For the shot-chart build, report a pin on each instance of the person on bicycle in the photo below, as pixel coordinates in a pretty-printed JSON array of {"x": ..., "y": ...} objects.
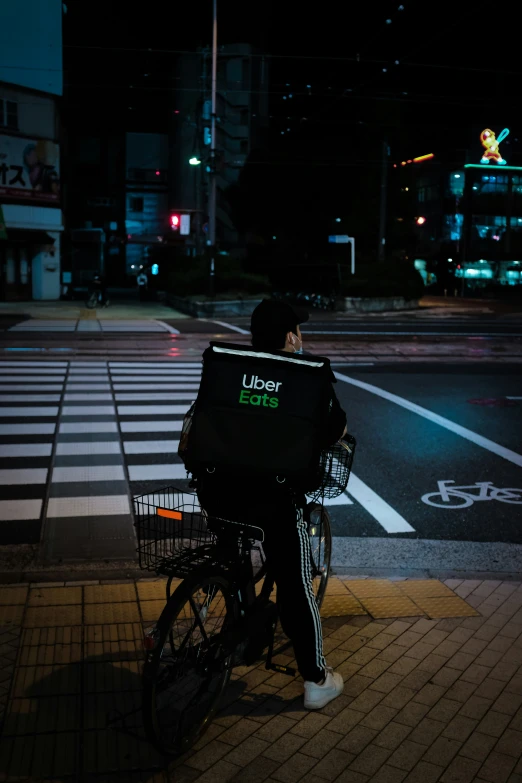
[
  {"x": 279, "y": 512},
  {"x": 98, "y": 286}
]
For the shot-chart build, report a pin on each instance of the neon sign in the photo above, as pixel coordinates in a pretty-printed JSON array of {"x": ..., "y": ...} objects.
[{"x": 491, "y": 146}]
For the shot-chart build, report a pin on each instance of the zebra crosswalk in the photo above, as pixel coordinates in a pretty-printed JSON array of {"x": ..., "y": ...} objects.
[
  {"x": 37, "y": 325},
  {"x": 79, "y": 439}
]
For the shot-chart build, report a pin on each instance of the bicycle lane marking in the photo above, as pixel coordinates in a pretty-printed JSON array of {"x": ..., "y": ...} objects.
[{"x": 474, "y": 437}]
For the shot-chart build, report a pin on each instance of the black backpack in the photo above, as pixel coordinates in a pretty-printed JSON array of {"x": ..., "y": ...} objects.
[{"x": 258, "y": 414}]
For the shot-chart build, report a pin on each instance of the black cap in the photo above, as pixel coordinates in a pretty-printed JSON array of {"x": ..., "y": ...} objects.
[{"x": 276, "y": 318}]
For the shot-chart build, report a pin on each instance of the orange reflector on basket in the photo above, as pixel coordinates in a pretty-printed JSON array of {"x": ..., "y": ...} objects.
[{"x": 164, "y": 512}]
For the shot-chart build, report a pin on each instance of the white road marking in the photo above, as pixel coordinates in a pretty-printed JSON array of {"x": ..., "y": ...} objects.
[
  {"x": 29, "y": 398},
  {"x": 18, "y": 510},
  {"x": 513, "y": 398},
  {"x": 161, "y": 365},
  {"x": 86, "y": 397},
  {"x": 150, "y": 396},
  {"x": 76, "y": 427},
  {"x": 95, "y": 505},
  {"x": 151, "y": 426},
  {"x": 167, "y": 327},
  {"x": 43, "y": 387},
  {"x": 89, "y": 473},
  {"x": 226, "y": 325},
  {"x": 157, "y": 472},
  {"x": 23, "y": 412},
  {"x": 27, "y": 429},
  {"x": 154, "y": 386},
  {"x": 33, "y": 364},
  {"x": 88, "y": 410},
  {"x": 26, "y": 449},
  {"x": 152, "y": 410},
  {"x": 14, "y": 476},
  {"x": 340, "y": 500},
  {"x": 88, "y": 447},
  {"x": 383, "y": 513},
  {"x": 141, "y": 374},
  {"x": 79, "y": 387},
  {"x": 150, "y": 446},
  {"x": 474, "y": 437}
]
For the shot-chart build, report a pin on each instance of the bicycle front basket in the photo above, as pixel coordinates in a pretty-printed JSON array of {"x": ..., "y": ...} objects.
[
  {"x": 334, "y": 469},
  {"x": 172, "y": 531}
]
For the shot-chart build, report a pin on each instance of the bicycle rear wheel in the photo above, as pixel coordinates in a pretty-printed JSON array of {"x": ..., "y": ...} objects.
[
  {"x": 188, "y": 670},
  {"x": 320, "y": 534}
]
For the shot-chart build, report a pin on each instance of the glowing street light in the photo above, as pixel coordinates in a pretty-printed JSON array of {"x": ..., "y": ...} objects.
[{"x": 194, "y": 161}]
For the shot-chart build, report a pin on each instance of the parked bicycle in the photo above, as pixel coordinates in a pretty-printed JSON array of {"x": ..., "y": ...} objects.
[{"x": 221, "y": 615}]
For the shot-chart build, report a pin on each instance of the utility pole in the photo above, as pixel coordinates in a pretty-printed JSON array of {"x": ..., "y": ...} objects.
[
  {"x": 381, "y": 255},
  {"x": 212, "y": 177}
]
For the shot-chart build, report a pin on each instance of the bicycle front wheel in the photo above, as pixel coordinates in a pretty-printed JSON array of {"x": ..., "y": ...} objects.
[
  {"x": 188, "y": 670},
  {"x": 320, "y": 534}
]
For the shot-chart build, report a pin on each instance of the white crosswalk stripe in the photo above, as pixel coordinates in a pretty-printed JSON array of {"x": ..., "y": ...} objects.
[{"x": 74, "y": 435}]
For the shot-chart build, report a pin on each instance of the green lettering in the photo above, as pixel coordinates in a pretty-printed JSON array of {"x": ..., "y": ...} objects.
[
  {"x": 265, "y": 400},
  {"x": 274, "y": 402},
  {"x": 243, "y": 397},
  {"x": 257, "y": 399}
]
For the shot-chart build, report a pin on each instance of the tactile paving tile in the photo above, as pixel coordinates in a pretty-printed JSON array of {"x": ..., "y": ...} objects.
[
  {"x": 13, "y": 596},
  {"x": 390, "y": 606},
  {"x": 151, "y": 591},
  {"x": 425, "y": 588},
  {"x": 445, "y": 607},
  {"x": 49, "y": 654},
  {"x": 371, "y": 588},
  {"x": 34, "y": 637},
  {"x": 36, "y": 681},
  {"x": 123, "y": 632},
  {"x": 11, "y": 615},
  {"x": 340, "y": 606},
  {"x": 336, "y": 587},
  {"x": 55, "y": 596},
  {"x": 96, "y": 614},
  {"x": 151, "y": 610},
  {"x": 108, "y": 594},
  {"x": 45, "y": 616}
]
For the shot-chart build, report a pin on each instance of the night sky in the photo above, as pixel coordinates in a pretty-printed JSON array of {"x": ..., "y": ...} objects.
[{"x": 422, "y": 76}]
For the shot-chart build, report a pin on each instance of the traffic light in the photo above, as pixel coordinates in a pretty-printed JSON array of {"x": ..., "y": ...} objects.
[{"x": 175, "y": 221}]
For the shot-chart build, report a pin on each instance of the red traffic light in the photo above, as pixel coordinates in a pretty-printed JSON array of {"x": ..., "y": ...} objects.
[{"x": 175, "y": 221}]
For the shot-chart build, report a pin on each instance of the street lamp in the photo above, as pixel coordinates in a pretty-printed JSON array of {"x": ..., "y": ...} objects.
[{"x": 194, "y": 161}]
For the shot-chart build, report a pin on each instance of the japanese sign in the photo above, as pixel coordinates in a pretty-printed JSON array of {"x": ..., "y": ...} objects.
[{"x": 29, "y": 170}]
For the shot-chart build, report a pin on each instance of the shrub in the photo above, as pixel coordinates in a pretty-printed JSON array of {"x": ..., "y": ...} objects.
[{"x": 388, "y": 278}]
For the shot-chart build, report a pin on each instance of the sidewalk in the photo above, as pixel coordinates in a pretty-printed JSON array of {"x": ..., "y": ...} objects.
[
  {"x": 119, "y": 309},
  {"x": 433, "y": 695}
]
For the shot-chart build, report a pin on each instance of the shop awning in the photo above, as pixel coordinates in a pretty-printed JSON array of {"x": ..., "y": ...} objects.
[{"x": 24, "y": 236}]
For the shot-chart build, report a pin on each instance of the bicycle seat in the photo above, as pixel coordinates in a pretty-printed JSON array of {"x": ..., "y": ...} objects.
[{"x": 239, "y": 530}]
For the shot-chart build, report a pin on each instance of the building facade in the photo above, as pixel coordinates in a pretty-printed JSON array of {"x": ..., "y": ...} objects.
[
  {"x": 31, "y": 84},
  {"x": 241, "y": 117}
]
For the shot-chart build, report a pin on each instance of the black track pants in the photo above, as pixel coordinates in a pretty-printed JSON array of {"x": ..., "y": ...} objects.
[{"x": 287, "y": 550}]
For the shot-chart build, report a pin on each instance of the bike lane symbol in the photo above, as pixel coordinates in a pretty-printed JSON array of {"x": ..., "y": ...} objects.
[{"x": 465, "y": 495}]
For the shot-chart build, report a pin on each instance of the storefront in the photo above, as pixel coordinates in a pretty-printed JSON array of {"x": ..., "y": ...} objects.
[{"x": 30, "y": 219}]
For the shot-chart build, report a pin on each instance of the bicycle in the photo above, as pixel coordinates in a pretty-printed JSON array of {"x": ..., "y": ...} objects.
[
  {"x": 221, "y": 615},
  {"x": 95, "y": 298},
  {"x": 456, "y": 497}
]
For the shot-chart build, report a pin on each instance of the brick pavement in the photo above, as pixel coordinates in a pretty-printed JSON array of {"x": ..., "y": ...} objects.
[{"x": 426, "y": 699}]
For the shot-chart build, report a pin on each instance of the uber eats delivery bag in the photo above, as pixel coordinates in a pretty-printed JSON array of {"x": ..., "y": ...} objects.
[{"x": 259, "y": 413}]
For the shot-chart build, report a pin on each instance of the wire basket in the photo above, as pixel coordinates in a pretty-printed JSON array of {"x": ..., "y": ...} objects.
[
  {"x": 172, "y": 532},
  {"x": 334, "y": 470}
]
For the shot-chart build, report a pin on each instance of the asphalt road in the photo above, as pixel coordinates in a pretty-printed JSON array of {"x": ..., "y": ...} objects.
[
  {"x": 414, "y": 324},
  {"x": 80, "y": 438}
]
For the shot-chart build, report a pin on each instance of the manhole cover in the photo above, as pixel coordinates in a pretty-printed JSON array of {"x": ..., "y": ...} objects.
[{"x": 501, "y": 402}]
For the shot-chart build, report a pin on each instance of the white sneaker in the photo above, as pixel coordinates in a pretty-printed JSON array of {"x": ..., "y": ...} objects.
[{"x": 317, "y": 696}]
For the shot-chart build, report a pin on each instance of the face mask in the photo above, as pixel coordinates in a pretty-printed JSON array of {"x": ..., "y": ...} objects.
[{"x": 300, "y": 350}]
